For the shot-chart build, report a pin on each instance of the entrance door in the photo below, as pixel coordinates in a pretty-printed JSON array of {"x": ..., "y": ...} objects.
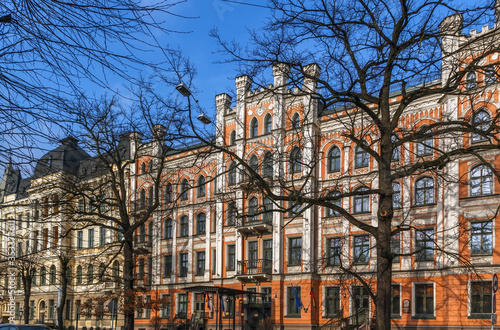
[{"x": 360, "y": 305}]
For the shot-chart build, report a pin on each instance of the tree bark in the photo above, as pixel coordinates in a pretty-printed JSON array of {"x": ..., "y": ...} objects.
[
  {"x": 62, "y": 298},
  {"x": 128, "y": 281}
]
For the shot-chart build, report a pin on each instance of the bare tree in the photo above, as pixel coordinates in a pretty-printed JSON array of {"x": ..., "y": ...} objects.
[
  {"x": 50, "y": 52},
  {"x": 380, "y": 61}
]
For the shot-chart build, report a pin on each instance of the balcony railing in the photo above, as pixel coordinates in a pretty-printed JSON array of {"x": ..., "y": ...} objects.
[
  {"x": 254, "y": 223},
  {"x": 255, "y": 267}
]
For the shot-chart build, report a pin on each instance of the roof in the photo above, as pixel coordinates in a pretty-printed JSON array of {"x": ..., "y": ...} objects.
[{"x": 219, "y": 289}]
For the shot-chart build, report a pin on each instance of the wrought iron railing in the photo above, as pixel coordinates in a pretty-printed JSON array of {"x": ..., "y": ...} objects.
[{"x": 254, "y": 267}]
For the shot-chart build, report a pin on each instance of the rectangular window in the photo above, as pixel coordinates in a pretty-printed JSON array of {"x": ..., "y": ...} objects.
[
  {"x": 79, "y": 239},
  {"x": 424, "y": 300},
  {"x": 361, "y": 249},
  {"x": 231, "y": 257},
  {"x": 200, "y": 263},
  {"x": 140, "y": 269},
  {"x": 45, "y": 243},
  {"x": 51, "y": 308},
  {"x": 395, "y": 301},
  {"x": 425, "y": 245},
  {"x": 102, "y": 236},
  {"x": 78, "y": 305},
  {"x": 481, "y": 238},
  {"x": 165, "y": 306},
  {"x": 253, "y": 254},
  {"x": 183, "y": 264},
  {"x": 68, "y": 309},
  {"x": 90, "y": 238},
  {"x": 138, "y": 309},
  {"x": 182, "y": 303},
  {"x": 214, "y": 261},
  {"x": 266, "y": 298},
  {"x": 295, "y": 251},
  {"x": 333, "y": 251},
  {"x": 20, "y": 221},
  {"x": 147, "y": 307},
  {"x": 425, "y": 148},
  {"x": 18, "y": 311},
  {"x": 332, "y": 301},
  {"x": 480, "y": 299},
  {"x": 396, "y": 246},
  {"x": 32, "y": 309},
  {"x": 294, "y": 301},
  {"x": 167, "y": 265}
]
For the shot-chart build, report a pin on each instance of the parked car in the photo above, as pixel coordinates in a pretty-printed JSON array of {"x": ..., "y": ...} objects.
[{"x": 23, "y": 327}]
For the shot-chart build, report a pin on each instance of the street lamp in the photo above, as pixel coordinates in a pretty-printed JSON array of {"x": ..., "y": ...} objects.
[{"x": 184, "y": 90}]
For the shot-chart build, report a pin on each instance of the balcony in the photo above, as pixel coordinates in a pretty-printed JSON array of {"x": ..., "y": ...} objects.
[
  {"x": 258, "y": 270},
  {"x": 143, "y": 244},
  {"x": 254, "y": 225}
]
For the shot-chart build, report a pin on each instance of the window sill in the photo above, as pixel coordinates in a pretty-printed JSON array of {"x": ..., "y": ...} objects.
[
  {"x": 293, "y": 316},
  {"x": 394, "y": 317},
  {"x": 424, "y": 316},
  {"x": 480, "y": 316}
]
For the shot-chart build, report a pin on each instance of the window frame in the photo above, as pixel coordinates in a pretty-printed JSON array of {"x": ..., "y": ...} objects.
[
  {"x": 268, "y": 123},
  {"x": 254, "y": 127},
  {"x": 201, "y": 186},
  {"x": 481, "y": 120},
  {"x": 361, "y": 156},
  {"x": 361, "y": 249},
  {"x": 168, "y": 231},
  {"x": 471, "y": 80},
  {"x": 184, "y": 226},
  {"x": 292, "y": 310},
  {"x": 295, "y": 160},
  {"x": 334, "y": 251},
  {"x": 333, "y": 303},
  {"x": 482, "y": 234},
  {"x": 183, "y": 264},
  {"x": 485, "y": 299},
  {"x": 184, "y": 195},
  {"x": 200, "y": 263},
  {"x": 201, "y": 223},
  {"x": 426, "y": 314},
  {"x": 295, "y": 121},
  {"x": 481, "y": 181},
  {"x": 429, "y": 192},
  {"x": 334, "y": 160},
  {"x": 425, "y": 245},
  {"x": 361, "y": 203},
  {"x": 294, "y": 251}
]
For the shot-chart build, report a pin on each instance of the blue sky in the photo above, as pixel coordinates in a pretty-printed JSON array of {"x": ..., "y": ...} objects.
[{"x": 232, "y": 20}]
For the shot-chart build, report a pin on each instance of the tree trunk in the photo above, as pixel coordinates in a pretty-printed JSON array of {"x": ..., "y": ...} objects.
[
  {"x": 27, "y": 295},
  {"x": 384, "y": 277},
  {"x": 128, "y": 282},
  {"x": 62, "y": 298}
]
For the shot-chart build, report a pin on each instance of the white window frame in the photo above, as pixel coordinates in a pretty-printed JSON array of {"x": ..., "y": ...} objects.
[{"x": 414, "y": 296}]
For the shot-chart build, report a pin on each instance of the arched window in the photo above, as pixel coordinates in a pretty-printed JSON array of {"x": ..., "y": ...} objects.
[
  {"x": 296, "y": 160},
  {"x": 253, "y": 210},
  {"x": 150, "y": 166},
  {"x": 268, "y": 210},
  {"x": 102, "y": 273},
  {"x": 424, "y": 191},
  {"x": 33, "y": 277},
  {"x": 184, "y": 190},
  {"x": 184, "y": 227},
  {"x": 52, "y": 274},
  {"x": 337, "y": 201},
  {"x": 90, "y": 274},
  {"x": 396, "y": 195},
  {"x": 116, "y": 270},
  {"x": 295, "y": 123},
  {"x": 254, "y": 163},
  {"x": 201, "y": 223},
  {"x": 268, "y": 124},
  {"x": 425, "y": 147},
  {"x": 143, "y": 167},
  {"x": 201, "y": 186},
  {"x": 231, "y": 175},
  {"x": 267, "y": 165},
  {"x": 480, "y": 122},
  {"x": 231, "y": 214},
  {"x": 150, "y": 196},
  {"x": 334, "y": 159},
  {"x": 168, "y": 229},
  {"x": 362, "y": 158},
  {"x": 79, "y": 275},
  {"x": 142, "y": 233},
  {"x": 168, "y": 193},
  {"x": 361, "y": 200},
  {"x": 471, "y": 80},
  {"x": 481, "y": 181},
  {"x": 142, "y": 199},
  {"x": 232, "y": 138},
  {"x": 43, "y": 276},
  {"x": 254, "y": 127}
]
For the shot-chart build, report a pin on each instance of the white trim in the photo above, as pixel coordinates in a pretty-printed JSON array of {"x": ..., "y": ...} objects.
[{"x": 413, "y": 298}]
